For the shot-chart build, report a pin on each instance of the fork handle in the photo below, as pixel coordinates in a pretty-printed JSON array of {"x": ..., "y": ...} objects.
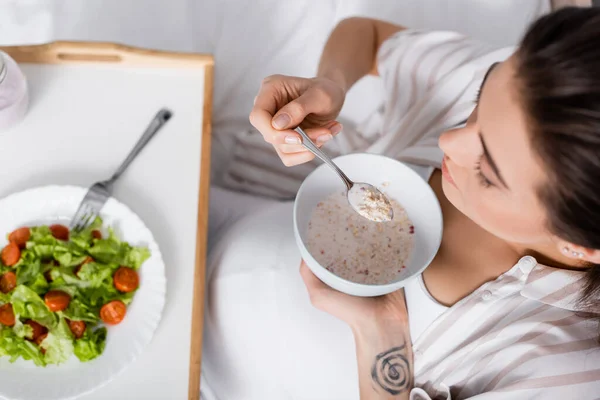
[{"x": 157, "y": 122}]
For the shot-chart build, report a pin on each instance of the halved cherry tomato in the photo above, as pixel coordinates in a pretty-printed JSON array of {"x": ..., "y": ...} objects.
[
  {"x": 41, "y": 338},
  {"x": 57, "y": 300},
  {"x": 20, "y": 236},
  {"x": 38, "y": 330},
  {"x": 8, "y": 282},
  {"x": 7, "y": 316},
  {"x": 11, "y": 254},
  {"x": 96, "y": 234},
  {"x": 60, "y": 232},
  {"x": 86, "y": 261},
  {"x": 39, "y": 341},
  {"x": 78, "y": 328},
  {"x": 126, "y": 279},
  {"x": 113, "y": 312}
]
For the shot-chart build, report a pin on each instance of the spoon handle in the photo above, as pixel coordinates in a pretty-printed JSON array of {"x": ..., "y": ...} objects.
[{"x": 308, "y": 143}]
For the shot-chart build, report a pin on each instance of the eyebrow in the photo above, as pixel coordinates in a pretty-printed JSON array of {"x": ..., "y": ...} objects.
[{"x": 486, "y": 153}]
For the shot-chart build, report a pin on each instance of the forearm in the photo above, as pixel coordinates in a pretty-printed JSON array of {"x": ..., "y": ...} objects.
[
  {"x": 351, "y": 50},
  {"x": 385, "y": 361}
]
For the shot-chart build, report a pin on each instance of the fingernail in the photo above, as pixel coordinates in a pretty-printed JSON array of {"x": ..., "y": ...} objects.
[
  {"x": 281, "y": 121},
  {"x": 324, "y": 138},
  {"x": 292, "y": 139},
  {"x": 337, "y": 128}
]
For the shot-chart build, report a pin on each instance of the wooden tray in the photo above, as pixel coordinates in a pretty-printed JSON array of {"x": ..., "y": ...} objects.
[{"x": 61, "y": 61}]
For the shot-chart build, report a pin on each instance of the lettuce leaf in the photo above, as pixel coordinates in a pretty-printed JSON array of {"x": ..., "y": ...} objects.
[
  {"x": 85, "y": 236},
  {"x": 58, "y": 344},
  {"x": 29, "y": 305},
  {"x": 29, "y": 273},
  {"x": 4, "y": 298},
  {"x": 22, "y": 330},
  {"x": 91, "y": 345},
  {"x": 113, "y": 251},
  {"x": 14, "y": 347},
  {"x": 95, "y": 275},
  {"x": 79, "y": 311}
]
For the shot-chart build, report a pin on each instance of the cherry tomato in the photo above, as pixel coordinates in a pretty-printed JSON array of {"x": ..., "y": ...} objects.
[
  {"x": 126, "y": 279},
  {"x": 8, "y": 282},
  {"x": 113, "y": 312},
  {"x": 39, "y": 341},
  {"x": 7, "y": 316},
  {"x": 96, "y": 234},
  {"x": 78, "y": 328},
  {"x": 38, "y": 330},
  {"x": 20, "y": 236},
  {"x": 11, "y": 254},
  {"x": 60, "y": 232},
  {"x": 57, "y": 300}
]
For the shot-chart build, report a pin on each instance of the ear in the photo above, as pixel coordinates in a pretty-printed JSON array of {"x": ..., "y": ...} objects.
[{"x": 579, "y": 252}]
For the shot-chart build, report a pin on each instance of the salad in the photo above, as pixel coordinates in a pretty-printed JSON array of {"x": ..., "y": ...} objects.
[{"x": 58, "y": 290}]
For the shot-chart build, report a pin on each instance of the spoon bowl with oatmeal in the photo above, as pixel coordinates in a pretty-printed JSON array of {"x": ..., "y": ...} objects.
[
  {"x": 356, "y": 255},
  {"x": 365, "y": 199}
]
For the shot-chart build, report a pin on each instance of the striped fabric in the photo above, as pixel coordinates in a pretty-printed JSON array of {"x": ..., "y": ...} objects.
[
  {"x": 518, "y": 337},
  {"x": 431, "y": 79}
]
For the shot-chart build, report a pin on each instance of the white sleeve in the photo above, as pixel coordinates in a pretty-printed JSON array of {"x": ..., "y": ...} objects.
[
  {"x": 420, "y": 394},
  {"x": 430, "y": 80}
]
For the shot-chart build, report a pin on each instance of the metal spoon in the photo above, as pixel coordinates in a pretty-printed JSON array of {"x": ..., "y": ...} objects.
[{"x": 364, "y": 198}]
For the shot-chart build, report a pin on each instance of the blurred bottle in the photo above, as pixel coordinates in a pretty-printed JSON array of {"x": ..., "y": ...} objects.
[{"x": 14, "y": 98}]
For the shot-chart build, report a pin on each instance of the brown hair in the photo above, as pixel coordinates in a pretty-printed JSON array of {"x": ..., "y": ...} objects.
[{"x": 558, "y": 70}]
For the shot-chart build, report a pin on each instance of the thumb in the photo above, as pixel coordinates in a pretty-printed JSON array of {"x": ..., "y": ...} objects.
[{"x": 294, "y": 112}]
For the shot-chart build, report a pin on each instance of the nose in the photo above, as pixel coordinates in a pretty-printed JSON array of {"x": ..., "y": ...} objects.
[{"x": 461, "y": 145}]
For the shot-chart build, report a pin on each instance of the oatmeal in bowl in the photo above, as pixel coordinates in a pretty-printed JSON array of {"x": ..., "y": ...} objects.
[{"x": 358, "y": 256}]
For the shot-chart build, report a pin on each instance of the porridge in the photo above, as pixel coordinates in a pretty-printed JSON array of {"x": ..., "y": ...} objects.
[
  {"x": 356, "y": 249},
  {"x": 370, "y": 203}
]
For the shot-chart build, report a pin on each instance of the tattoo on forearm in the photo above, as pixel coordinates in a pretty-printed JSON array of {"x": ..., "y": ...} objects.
[{"x": 391, "y": 370}]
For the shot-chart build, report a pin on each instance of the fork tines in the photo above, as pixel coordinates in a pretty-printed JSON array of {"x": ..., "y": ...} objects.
[{"x": 85, "y": 215}]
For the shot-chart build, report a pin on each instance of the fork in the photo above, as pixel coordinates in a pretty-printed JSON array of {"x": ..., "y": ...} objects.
[{"x": 98, "y": 194}]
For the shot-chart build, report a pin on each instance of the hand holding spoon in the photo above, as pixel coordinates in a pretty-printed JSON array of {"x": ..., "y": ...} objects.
[{"x": 364, "y": 198}]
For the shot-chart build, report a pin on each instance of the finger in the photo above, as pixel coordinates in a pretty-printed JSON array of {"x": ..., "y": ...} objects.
[
  {"x": 319, "y": 135},
  {"x": 265, "y": 106},
  {"x": 310, "y": 279},
  {"x": 290, "y": 160},
  {"x": 324, "y": 297},
  {"x": 312, "y": 101},
  {"x": 287, "y": 149}
]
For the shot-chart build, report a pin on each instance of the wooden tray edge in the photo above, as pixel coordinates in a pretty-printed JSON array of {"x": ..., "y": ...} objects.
[{"x": 63, "y": 52}]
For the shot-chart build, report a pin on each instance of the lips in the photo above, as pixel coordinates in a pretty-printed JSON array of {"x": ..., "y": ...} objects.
[{"x": 446, "y": 173}]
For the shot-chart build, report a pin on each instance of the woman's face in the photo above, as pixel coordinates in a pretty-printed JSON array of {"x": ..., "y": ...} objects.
[{"x": 490, "y": 171}]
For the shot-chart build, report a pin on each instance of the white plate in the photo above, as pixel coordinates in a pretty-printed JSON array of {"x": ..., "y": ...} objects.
[
  {"x": 22, "y": 380},
  {"x": 396, "y": 180}
]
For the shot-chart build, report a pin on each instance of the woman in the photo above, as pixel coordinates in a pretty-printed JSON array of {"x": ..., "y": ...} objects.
[{"x": 508, "y": 307}]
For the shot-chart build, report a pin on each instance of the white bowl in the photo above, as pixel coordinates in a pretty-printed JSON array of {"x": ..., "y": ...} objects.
[{"x": 402, "y": 184}]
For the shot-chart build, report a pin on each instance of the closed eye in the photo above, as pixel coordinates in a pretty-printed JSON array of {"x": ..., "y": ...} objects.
[{"x": 483, "y": 180}]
